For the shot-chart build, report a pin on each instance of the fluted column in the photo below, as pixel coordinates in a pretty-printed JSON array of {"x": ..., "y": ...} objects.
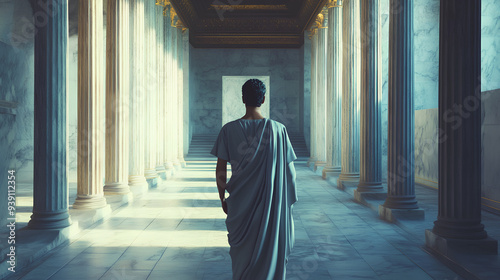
[
  {"x": 175, "y": 99},
  {"x": 50, "y": 184},
  {"x": 312, "y": 143},
  {"x": 350, "y": 92},
  {"x": 169, "y": 164},
  {"x": 321, "y": 93},
  {"x": 160, "y": 97},
  {"x": 136, "y": 178},
  {"x": 90, "y": 81},
  {"x": 370, "y": 160},
  {"x": 401, "y": 146},
  {"x": 334, "y": 90},
  {"x": 458, "y": 224},
  {"x": 151, "y": 93},
  {"x": 117, "y": 97},
  {"x": 180, "y": 82}
]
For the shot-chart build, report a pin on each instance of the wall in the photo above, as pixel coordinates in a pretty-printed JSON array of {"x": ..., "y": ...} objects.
[
  {"x": 16, "y": 88},
  {"x": 426, "y": 149},
  {"x": 490, "y": 45},
  {"x": 207, "y": 66}
]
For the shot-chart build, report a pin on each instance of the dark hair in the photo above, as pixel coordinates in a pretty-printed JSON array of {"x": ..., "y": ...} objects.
[{"x": 253, "y": 92}]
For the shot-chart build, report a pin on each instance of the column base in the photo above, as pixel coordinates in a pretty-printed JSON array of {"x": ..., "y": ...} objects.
[
  {"x": 392, "y": 215},
  {"x": 87, "y": 202},
  {"x": 116, "y": 188},
  {"x": 138, "y": 184},
  {"x": 169, "y": 167},
  {"x": 310, "y": 161},
  {"x": 352, "y": 178},
  {"x": 450, "y": 246},
  {"x": 370, "y": 187},
  {"x": 120, "y": 198},
  {"x": 318, "y": 166},
  {"x": 162, "y": 172},
  {"x": 330, "y": 171},
  {"x": 182, "y": 162},
  {"x": 177, "y": 164},
  {"x": 152, "y": 183},
  {"x": 50, "y": 220},
  {"x": 93, "y": 215},
  {"x": 150, "y": 173},
  {"x": 361, "y": 197}
]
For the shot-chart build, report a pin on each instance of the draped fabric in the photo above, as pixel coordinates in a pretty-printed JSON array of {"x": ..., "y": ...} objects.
[{"x": 261, "y": 197}]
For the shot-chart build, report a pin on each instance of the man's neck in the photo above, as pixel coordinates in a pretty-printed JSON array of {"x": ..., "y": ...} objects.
[{"x": 252, "y": 113}]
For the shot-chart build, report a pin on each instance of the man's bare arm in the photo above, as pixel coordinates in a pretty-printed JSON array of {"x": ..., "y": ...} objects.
[{"x": 221, "y": 176}]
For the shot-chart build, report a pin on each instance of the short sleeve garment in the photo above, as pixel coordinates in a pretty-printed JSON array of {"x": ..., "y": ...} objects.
[{"x": 221, "y": 148}]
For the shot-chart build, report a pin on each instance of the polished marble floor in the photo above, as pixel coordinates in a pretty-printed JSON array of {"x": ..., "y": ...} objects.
[{"x": 178, "y": 232}]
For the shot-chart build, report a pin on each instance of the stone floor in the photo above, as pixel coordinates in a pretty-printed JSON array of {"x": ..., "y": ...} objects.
[{"x": 178, "y": 232}]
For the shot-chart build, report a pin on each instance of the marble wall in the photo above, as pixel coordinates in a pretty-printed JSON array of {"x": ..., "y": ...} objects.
[
  {"x": 426, "y": 148},
  {"x": 16, "y": 85},
  {"x": 490, "y": 45},
  {"x": 231, "y": 95},
  {"x": 207, "y": 66},
  {"x": 491, "y": 149}
]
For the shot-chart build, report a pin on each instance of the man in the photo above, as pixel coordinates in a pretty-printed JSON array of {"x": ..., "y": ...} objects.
[{"x": 261, "y": 189}]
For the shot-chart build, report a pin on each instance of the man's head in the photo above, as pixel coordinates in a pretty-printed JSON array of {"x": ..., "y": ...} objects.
[{"x": 253, "y": 92}]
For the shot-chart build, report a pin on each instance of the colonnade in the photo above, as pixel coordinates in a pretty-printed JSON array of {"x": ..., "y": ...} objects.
[
  {"x": 352, "y": 114},
  {"x": 129, "y": 136}
]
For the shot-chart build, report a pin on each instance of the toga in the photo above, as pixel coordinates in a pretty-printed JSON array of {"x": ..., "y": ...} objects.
[{"x": 261, "y": 194}]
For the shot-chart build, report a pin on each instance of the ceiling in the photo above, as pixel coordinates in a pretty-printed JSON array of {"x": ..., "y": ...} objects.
[{"x": 247, "y": 23}]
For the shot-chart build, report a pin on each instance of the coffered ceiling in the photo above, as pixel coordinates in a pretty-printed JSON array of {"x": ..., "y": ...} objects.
[{"x": 247, "y": 23}]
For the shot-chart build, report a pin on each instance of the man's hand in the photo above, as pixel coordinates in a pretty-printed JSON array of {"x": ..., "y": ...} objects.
[{"x": 224, "y": 205}]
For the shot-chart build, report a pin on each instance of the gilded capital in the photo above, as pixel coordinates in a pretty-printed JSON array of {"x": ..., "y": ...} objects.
[
  {"x": 162, "y": 3},
  {"x": 173, "y": 14},
  {"x": 334, "y": 4},
  {"x": 312, "y": 31},
  {"x": 318, "y": 23}
]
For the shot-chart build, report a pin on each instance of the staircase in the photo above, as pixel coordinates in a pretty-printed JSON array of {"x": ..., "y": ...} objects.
[{"x": 201, "y": 145}]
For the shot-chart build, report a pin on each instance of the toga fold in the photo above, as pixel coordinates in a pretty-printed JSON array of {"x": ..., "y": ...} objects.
[{"x": 262, "y": 193}]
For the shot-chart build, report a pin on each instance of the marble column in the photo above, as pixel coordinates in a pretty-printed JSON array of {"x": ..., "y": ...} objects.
[
  {"x": 180, "y": 102},
  {"x": 117, "y": 98},
  {"x": 90, "y": 85},
  {"x": 312, "y": 143},
  {"x": 350, "y": 93},
  {"x": 169, "y": 164},
  {"x": 160, "y": 97},
  {"x": 175, "y": 97},
  {"x": 168, "y": 105},
  {"x": 321, "y": 94},
  {"x": 370, "y": 152},
  {"x": 458, "y": 225},
  {"x": 401, "y": 143},
  {"x": 334, "y": 90},
  {"x": 151, "y": 93},
  {"x": 136, "y": 179},
  {"x": 50, "y": 183}
]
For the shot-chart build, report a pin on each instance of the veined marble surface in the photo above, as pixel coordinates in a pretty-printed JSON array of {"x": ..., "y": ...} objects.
[
  {"x": 207, "y": 66},
  {"x": 232, "y": 106},
  {"x": 490, "y": 45},
  {"x": 426, "y": 145},
  {"x": 490, "y": 148}
]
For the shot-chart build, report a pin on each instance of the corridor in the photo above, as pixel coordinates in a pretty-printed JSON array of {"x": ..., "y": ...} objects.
[{"x": 178, "y": 232}]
